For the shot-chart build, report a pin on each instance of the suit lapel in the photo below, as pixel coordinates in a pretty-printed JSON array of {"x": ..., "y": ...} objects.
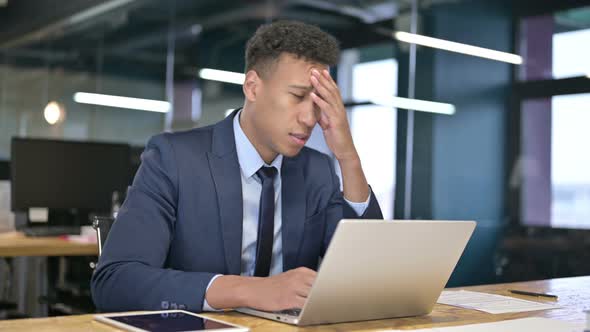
[
  {"x": 293, "y": 210},
  {"x": 225, "y": 169}
]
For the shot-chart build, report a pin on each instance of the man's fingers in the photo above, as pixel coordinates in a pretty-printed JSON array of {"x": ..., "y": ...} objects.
[
  {"x": 307, "y": 273},
  {"x": 329, "y": 78},
  {"x": 307, "y": 270},
  {"x": 309, "y": 281},
  {"x": 329, "y": 84},
  {"x": 324, "y": 121},
  {"x": 306, "y": 276},
  {"x": 322, "y": 90},
  {"x": 299, "y": 302},
  {"x": 326, "y": 82},
  {"x": 323, "y": 105},
  {"x": 303, "y": 291},
  {"x": 321, "y": 102}
]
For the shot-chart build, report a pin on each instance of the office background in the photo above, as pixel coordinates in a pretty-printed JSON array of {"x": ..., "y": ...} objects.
[{"x": 512, "y": 156}]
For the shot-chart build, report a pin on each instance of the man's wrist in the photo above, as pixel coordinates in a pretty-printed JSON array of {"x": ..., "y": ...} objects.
[
  {"x": 206, "y": 306},
  {"x": 352, "y": 159},
  {"x": 354, "y": 183},
  {"x": 244, "y": 291},
  {"x": 230, "y": 291}
]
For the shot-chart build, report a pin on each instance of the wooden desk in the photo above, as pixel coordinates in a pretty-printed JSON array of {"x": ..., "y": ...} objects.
[
  {"x": 574, "y": 297},
  {"x": 30, "y": 253},
  {"x": 17, "y": 244}
]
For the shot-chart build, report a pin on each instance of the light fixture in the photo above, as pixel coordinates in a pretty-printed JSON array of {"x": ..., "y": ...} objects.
[
  {"x": 222, "y": 76},
  {"x": 457, "y": 47},
  {"x": 588, "y": 75},
  {"x": 415, "y": 105},
  {"x": 196, "y": 29},
  {"x": 228, "y": 112},
  {"x": 54, "y": 113},
  {"x": 122, "y": 102}
]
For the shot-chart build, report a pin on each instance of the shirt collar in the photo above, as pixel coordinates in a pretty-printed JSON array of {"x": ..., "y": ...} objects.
[{"x": 248, "y": 158}]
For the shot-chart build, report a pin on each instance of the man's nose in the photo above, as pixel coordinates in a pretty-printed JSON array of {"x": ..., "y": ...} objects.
[{"x": 309, "y": 114}]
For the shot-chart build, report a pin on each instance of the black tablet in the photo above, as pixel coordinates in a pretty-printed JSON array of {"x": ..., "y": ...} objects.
[{"x": 167, "y": 321}]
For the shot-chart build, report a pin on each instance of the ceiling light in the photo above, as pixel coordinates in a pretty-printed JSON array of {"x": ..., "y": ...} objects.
[
  {"x": 122, "y": 102},
  {"x": 457, "y": 47},
  {"x": 222, "y": 76},
  {"x": 54, "y": 113},
  {"x": 415, "y": 105}
]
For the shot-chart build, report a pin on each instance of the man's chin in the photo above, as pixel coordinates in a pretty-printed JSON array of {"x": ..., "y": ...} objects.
[{"x": 292, "y": 152}]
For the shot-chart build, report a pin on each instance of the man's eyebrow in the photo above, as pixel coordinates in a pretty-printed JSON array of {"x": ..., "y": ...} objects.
[{"x": 302, "y": 87}]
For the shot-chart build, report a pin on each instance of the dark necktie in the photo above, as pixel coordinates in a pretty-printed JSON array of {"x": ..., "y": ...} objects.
[{"x": 266, "y": 221}]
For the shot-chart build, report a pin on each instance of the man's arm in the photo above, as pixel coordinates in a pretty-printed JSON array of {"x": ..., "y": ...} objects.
[
  {"x": 336, "y": 129},
  {"x": 334, "y": 123},
  {"x": 130, "y": 274}
]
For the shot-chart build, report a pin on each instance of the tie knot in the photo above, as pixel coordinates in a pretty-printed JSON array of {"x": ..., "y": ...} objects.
[{"x": 266, "y": 173}]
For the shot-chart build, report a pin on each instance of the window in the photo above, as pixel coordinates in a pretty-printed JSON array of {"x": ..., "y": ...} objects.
[
  {"x": 555, "y": 161},
  {"x": 555, "y": 113},
  {"x": 571, "y": 54},
  {"x": 570, "y": 161},
  {"x": 374, "y": 127},
  {"x": 556, "y": 46}
]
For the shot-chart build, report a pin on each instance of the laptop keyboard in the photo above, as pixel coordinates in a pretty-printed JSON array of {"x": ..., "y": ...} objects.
[{"x": 290, "y": 312}]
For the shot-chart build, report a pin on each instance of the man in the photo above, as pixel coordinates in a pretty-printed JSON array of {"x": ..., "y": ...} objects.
[{"x": 238, "y": 214}]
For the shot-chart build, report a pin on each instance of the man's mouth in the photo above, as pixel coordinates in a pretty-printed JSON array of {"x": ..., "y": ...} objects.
[{"x": 299, "y": 139}]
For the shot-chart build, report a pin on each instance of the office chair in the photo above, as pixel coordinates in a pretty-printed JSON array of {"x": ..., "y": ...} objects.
[
  {"x": 102, "y": 225},
  {"x": 5, "y": 306},
  {"x": 73, "y": 296}
]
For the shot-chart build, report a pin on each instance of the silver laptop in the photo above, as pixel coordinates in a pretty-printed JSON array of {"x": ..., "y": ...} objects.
[{"x": 377, "y": 269}]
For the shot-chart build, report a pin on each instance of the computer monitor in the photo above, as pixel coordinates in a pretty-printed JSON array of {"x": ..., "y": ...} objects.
[
  {"x": 57, "y": 174},
  {"x": 4, "y": 170}
]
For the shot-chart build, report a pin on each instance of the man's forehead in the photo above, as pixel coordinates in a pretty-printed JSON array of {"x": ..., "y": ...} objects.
[
  {"x": 293, "y": 72},
  {"x": 291, "y": 59}
]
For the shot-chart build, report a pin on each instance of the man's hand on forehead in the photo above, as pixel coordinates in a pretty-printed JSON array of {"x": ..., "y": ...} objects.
[
  {"x": 332, "y": 119},
  {"x": 326, "y": 96}
]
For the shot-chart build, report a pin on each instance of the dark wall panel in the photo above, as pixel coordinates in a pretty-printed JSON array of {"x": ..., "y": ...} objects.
[
  {"x": 469, "y": 147},
  {"x": 459, "y": 160}
]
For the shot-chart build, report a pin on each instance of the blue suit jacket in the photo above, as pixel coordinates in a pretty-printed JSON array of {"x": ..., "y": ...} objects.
[{"x": 181, "y": 223}]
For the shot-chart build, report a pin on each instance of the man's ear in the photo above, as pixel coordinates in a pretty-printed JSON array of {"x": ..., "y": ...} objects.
[{"x": 251, "y": 85}]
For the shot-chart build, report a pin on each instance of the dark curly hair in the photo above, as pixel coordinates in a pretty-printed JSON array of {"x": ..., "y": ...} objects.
[{"x": 299, "y": 39}]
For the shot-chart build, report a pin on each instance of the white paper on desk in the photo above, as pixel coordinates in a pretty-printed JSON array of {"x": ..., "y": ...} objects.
[
  {"x": 537, "y": 324},
  {"x": 490, "y": 303}
]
